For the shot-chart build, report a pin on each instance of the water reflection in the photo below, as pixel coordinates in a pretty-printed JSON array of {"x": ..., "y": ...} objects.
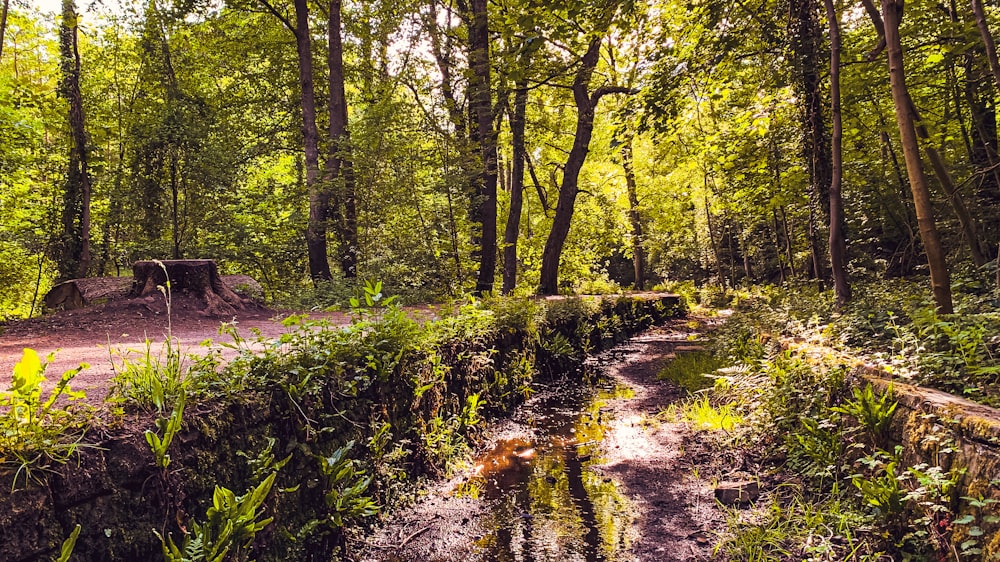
[{"x": 549, "y": 505}]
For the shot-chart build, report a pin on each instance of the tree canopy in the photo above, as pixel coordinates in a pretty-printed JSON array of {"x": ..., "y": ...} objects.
[{"x": 443, "y": 145}]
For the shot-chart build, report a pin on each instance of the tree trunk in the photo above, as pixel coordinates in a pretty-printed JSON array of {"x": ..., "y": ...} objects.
[
  {"x": 838, "y": 239},
  {"x": 806, "y": 37},
  {"x": 75, "y": 258},
  {"x": 988, "y": 42},
  {"x": 3, "y": 24},
  {"x": 940, "y": 283},
  {"x": 518, "y": 151},
  {"x": 585, "y": 105},
  {"x": 339, "y": 165},
  {"x": 789, "y": 252},
  {"x": 716, "y": 252},
  {"x": 965, "y": 219},
  {"x": 635, "y": 219},
  {"x": 481, "y": 112},
  {"x": 319, "y": 197}
]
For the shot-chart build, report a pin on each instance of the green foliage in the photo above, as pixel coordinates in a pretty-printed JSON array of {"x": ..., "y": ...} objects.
[
  {"x": 34, "y": 433},
  {"x": 232, "y": 523},
  {"x": 169, "y": 427},
  {"x": 704, "y": 416},
  {"x": 66, "y": 550},
  {"x": 692, "y": 371},
  {"x": 346, "y": 485},
  {"x": 872, "y": 411},
  {"x": 152, "y": 380}
]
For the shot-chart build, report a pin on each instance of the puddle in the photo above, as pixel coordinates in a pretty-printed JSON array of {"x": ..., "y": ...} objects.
[{"x": 548, "y": 505}]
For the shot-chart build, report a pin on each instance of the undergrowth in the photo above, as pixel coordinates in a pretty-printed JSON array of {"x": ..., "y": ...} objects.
[
  {"x": 843, "y": 490},
  {"x": 358, "y": 410}
]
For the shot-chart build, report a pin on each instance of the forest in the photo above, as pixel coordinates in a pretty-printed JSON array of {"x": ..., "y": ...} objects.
[
  {"x": 503, "y": 147},
  {"x": 750, "y": 245}
]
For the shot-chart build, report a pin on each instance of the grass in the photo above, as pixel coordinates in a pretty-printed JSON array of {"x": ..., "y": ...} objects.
[{"x": 691, "y": 371}]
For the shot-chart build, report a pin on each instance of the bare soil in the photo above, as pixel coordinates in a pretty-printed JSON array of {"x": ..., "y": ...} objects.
[
  {"x": 663, "y": 469},
  {"x": 99, "y": 336}
]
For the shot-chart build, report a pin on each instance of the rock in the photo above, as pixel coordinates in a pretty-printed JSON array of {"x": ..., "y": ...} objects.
[
  {"x": 734, "y": 493},
  {"x": 244, "y": 286}
]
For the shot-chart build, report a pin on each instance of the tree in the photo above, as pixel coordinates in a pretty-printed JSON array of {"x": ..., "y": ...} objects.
[
  {"x": 339, "y": 166},
  {"x": 586, "y": 103},
  {"x": 483, "y": 135},
  {"x": 635, "y": 219},
  {"x": 892, "y": 12},
  {"x": 319, "y": 194},
  {"x": 838, "y": 239},
  {"x": 75, "y": 256},
  {"x": 518, "y": 155},
  {"x": 3, "y": 24},
  {"x": 806, "y": 37}
]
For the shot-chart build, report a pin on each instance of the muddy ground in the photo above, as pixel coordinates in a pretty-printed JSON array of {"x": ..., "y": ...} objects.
[{"x": 648, "y": 495}]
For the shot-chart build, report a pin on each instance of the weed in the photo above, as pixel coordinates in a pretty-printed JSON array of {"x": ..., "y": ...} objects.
[
  {"x": 34, "y": 432},
  {"x": 169, "y": 426},
  {"x": 702, "y": 415},
  {"x": 66, "y": 550},
  {"x": 692, "y": 371},
  {"x": 231, "y": 525},
  {"x": 872, "y": 411}
]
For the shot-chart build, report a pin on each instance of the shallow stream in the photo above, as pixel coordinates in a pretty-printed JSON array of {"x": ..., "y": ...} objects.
[{"x": 549, "y": 504}]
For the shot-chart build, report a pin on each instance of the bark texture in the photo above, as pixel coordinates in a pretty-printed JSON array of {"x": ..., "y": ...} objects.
[
  {"x": 892, "y": 11},
  {"x": 74, "y": 260},
  {"x": 838, "y": 237},
  {"x": 806, "y": 38},
  {"x": 585, "y": 105},
  {"x": 319, "y": 197},
  {"x": 484, "y": 203},
  {"x": 634, "y": 217},
  {"x": 199, "y": 278},
  {"x": 518, "y": 150},
  {"x": 339, "y": 165}
]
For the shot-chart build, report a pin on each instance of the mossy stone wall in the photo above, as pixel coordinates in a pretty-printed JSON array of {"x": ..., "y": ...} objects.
[{"x": 115, "y": 491}]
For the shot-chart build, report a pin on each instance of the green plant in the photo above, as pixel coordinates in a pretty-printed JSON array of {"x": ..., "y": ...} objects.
[
  {"x": 231, "y": 525},
  {"x": 873, "y": 411},
  {"x": 692, "y": 370},
  {"x": 35, "y": 432},
  {"x": 346, "y": 485},
  {"x": 66, "y": 550},
  {"x": 148, "y": 379},
  {"x": 702, "y": 415},
  {"x": 882, "y": 488},
  {"x": 169, "y": 426}
]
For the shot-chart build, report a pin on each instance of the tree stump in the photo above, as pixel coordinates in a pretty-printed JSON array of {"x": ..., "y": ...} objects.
[
  {"x": 199, "y": 278},
  {"x": 78, "y": 293}
]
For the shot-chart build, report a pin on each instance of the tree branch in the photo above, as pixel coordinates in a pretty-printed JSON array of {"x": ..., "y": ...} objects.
[
  {"x": 876, "y": 18},
  {"x": 605, "y": 90},
  {"x": 280, "y": 17}
]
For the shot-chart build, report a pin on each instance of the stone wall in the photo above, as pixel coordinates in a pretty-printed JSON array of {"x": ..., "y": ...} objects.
[{"x": 115, "y": 491}]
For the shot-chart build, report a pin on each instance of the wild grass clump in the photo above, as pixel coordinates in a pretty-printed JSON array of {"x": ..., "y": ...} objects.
[
  {"x": 692, "y": 371},
  {"x": 39, "y": 432}
]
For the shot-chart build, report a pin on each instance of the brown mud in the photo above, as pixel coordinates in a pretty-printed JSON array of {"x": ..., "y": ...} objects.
[{"x": 581, "y": 472}]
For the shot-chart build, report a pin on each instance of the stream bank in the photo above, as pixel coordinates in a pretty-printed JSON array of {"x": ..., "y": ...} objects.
[
  {"x": 383, "y": 401},
  {"x": 586, "y": 472}
]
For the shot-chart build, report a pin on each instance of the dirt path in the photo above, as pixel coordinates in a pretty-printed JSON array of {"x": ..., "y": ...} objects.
[
  {"x": 610, "y": 482},
  {"x": 101, "y": 335}
]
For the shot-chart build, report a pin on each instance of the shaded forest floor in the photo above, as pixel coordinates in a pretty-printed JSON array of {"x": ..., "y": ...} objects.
[{"x": 605, "y": 478}]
